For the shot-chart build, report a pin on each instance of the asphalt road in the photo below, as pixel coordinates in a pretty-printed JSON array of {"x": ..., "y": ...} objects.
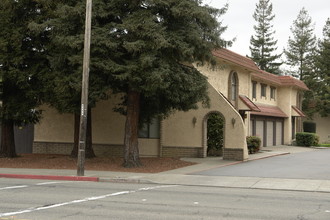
[
  {"x": 35, "y": 199},
  {"x": 305, "y": 165}
]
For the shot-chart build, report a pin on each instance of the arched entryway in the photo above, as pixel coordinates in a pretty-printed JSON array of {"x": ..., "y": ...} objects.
[{"x": 214, "y": 125}]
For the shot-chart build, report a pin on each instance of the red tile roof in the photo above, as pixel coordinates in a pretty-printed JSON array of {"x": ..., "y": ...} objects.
[
  {"x": 249, "y": 103},
  {"x": 298, "y": 111},
  {"x": 245, "y": 62},
  {"x": 235, "y": 58},
  {"x": 269, "y": 110},
  {"x": 290, "y": 81}
]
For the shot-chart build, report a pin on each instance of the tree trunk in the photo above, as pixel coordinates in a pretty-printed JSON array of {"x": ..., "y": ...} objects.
[
  {"x": 89, "y": 152},
  {"x": 131, "y": 146},
  {"x": 7, "y": 139}
]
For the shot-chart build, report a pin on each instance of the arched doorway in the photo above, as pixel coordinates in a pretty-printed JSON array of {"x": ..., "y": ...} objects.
[{"x": 215, "y": 134}]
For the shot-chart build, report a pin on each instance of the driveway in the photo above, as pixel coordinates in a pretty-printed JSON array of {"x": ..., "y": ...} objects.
[{"x": 304, "y": 165}]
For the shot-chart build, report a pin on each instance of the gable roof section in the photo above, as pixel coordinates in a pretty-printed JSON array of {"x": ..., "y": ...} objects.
[
  {"x": 247, "y": 63},
  {"x": 235, "y": 58},
  {"x": 269, "y": 110}
]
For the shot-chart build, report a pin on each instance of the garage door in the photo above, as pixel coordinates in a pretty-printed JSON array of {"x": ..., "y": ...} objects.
[
  {"x": 260, "y": 131},
  {"x": 270, "y": 133},
  {"x": 279, "y": 133}
]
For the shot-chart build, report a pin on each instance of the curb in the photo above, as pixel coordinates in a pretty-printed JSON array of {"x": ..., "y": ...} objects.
[{"x": 50, "y": 177}]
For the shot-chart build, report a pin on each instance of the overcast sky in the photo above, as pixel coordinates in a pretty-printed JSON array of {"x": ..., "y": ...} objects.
[{"x": 240, "y": 21}]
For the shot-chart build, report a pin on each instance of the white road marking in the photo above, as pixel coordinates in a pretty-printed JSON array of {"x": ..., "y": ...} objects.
[
  {"x": 14, "y": 187},
  {"x": 196, "y": 203},
  {"x": 33, "y": 209},
  {"x": 25, "y": 186},
  {"x": 47, "y": 183},
  {"x": 327, "y": 211}
]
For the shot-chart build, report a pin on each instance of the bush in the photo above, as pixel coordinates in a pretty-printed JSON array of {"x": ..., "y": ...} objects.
[
  {"x": 253, "y": 144},
  {"x": 215, "y": 127},
  {"x": 307, "y": 139},
  {"x": 309, "y": 127}
]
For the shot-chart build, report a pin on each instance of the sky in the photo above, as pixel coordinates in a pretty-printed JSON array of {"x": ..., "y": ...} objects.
[{"x": 240, "y": 22}]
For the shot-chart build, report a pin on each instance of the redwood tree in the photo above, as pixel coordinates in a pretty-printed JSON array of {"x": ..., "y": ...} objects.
[
  {"x": 22, "y": 63},
  {"x": 154, "y": 43}
]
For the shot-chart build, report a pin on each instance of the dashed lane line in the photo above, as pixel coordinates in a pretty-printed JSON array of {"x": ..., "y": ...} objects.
[{"x": 44, "y": 207}]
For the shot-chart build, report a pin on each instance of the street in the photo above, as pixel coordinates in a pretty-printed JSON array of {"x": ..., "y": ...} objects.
[
  {"x": 312, "y": 165},
  {"x": 43, "y": 199}
]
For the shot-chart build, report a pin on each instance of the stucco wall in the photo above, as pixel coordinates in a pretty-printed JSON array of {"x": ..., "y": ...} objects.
[
  {"x": 54, "y": 127},
  {"x": 322, "y": 127},
  {"x": 218, "y": 77},
  {"x": 107, "y": 130},
  {"x": 179, "y": 129}
]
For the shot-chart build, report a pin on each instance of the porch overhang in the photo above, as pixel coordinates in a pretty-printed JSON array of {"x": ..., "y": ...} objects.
[
  {"x": 296, "y": 112},
  {"x": 270, "y": 111},
  {"x": 245, "y": 104}
]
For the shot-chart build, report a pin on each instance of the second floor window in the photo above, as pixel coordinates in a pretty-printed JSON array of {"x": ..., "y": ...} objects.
[
  {"x": 272, "y": 92},
  {"x": 254, "y": 90},
  {"x": 263, "y": 90},
  {"x": 233, "y": 87}
]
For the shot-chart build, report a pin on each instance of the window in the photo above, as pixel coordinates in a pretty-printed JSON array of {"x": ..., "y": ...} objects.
[
  {"x": 263, "y": 90},
  {"x": 254, "y": 89},
  {"x": 272, "y": 92},
  {"x": 150, "y": 130},
  {"x": 233, "y": 87}
]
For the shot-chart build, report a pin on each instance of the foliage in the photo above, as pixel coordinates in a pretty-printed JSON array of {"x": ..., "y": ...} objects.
[
  {"x": 215, "y": 128},
  {"x": 22, "y": 65},
  {"x": 22, "y": 62},
  {"x": 253, "y": 143},
  {"x": 263, "y": 45},
  {"x": 307, "y": 139},
  {"x": 321, "y": 88},
  {"x": 301, "y": 46},
  {"x": 154, "y": 44}
]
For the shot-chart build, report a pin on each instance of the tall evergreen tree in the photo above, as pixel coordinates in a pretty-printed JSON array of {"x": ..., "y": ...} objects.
[
  {"x": 153, "y": 41},
  {"x": 21, "y": 65},
  {"x": 65, "y": 53},
  {"x": 322, "y": 66},
  {"x": 301, "y": 47},
  {"x": 263, "y": 46}
]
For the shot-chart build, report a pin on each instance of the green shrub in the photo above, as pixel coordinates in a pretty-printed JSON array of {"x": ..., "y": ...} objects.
[
  {"x": 253, "y": 143},
  {"x": 307, "y": 139},
  {"x": 215, "y": 128},
  {"x": 309, "y": 127}
]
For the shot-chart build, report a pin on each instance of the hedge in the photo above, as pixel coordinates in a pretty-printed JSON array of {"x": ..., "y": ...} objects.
[{"x": 307, "y": 139}]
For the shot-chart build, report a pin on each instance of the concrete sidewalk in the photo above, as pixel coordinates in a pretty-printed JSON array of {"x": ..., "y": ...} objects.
[{"x": 181, "y": 176}]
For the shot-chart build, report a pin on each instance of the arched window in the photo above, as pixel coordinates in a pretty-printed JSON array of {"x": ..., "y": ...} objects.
[{"x": 233, "y": 87}]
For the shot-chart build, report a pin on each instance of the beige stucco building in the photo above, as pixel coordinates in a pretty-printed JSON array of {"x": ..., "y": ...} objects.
[
  {"x": 322, "y": 127},
  {"x": 251, "y": 101}
]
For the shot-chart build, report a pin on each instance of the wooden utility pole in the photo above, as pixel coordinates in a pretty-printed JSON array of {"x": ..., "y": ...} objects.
[{"x": 84, "y": 91}]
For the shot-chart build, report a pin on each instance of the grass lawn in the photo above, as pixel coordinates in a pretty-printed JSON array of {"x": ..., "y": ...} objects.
[{"x": 324, "y": 145}]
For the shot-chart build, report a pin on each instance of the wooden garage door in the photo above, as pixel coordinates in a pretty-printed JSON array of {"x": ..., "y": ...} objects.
[
  {"x": 260, "y": 131},
  {"x": 270, "y": 133},
  {"x": 279, "y": 133}
]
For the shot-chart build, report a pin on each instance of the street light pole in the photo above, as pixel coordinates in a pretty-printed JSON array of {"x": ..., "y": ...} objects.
[{"x": 84, "y": 91}]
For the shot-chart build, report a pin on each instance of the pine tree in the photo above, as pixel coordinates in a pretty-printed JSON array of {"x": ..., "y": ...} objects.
[
  {"x": 263, "y": 45},
  {"x": 301, "y": 47},
  {"x": 21, "y": 65}
]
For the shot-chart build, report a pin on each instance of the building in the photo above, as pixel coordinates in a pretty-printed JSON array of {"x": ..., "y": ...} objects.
[{"x": 251, "y": 101}]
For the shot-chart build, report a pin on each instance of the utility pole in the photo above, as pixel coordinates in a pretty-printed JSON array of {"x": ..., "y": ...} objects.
[{"x": 84, "y": 91}]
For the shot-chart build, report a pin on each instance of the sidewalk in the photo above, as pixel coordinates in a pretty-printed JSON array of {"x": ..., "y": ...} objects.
[{"x": 181, "y": 176}]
